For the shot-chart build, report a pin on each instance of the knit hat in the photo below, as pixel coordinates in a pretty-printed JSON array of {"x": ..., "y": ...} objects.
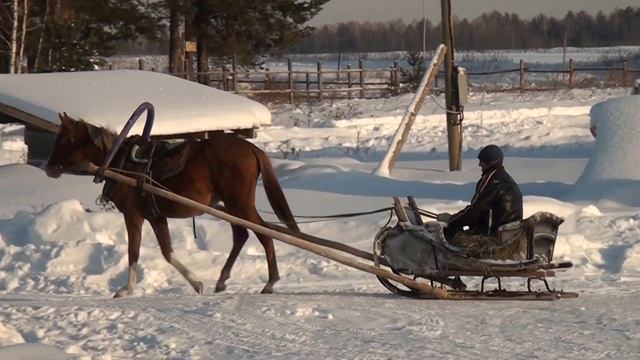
[{"x": 491, "y": 154}]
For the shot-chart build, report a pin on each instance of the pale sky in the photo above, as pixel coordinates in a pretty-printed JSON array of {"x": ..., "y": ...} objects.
[{"x": 382, "y": 10}]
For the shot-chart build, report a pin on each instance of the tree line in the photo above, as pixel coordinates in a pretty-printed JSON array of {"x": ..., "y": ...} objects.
[
  {"x": 69, "y": 35},
  {"x": 494, "y": 30}
]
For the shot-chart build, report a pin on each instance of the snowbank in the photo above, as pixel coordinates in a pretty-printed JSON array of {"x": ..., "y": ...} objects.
[
  {"x": 107, "y": 98},
  {"x": 612, "y": 172},
  {"x": 13, "y": 150}
]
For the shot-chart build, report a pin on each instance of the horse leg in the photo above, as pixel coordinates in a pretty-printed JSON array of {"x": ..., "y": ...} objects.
[
  {"x": 240, "y": 236},
  {"x": 161, "y": 230},
  {"x": 270, "y": 252},
  {"x": 134, "y": 234}
]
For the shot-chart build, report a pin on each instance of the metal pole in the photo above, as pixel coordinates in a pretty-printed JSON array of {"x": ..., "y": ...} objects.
[{"x": 454, "y": 127}]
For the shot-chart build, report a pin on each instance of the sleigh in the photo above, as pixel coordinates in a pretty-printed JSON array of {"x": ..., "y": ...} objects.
[{"x": 420, "y": 250}]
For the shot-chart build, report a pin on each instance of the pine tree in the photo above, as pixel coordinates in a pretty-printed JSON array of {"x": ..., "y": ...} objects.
[
  {"x": 416, "y": 71},
  {"x": 65, "y": 31},
  {"x": 246, "y": 28}
]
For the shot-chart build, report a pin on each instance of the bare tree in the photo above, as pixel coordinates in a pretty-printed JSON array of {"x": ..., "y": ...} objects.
[
  {"x": 14, "y": 37},
  {"x": 23, "y": 38}
]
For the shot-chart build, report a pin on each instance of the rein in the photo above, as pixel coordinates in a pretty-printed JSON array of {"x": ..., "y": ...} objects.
[{"x": 324, "y": 218}]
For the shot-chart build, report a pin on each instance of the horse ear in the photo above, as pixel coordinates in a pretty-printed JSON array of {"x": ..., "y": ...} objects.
[{"x": 65, "y": 119}]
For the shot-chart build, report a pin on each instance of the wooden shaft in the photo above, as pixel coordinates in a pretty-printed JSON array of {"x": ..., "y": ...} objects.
[{"x": 289, "y": 239}]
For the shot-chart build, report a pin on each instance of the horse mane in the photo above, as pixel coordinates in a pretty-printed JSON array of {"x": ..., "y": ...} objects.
[{"x": 101, "y": 137}]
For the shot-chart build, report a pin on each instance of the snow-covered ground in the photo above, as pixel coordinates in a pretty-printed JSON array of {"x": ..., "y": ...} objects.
[{"x": 62, "y": 257}]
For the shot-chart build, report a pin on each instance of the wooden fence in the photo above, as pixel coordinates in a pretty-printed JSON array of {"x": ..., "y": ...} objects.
[{"x": 360, "y": 82}]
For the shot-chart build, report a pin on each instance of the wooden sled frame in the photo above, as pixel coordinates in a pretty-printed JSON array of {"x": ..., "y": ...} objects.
[{"x": 538, "y": 273}]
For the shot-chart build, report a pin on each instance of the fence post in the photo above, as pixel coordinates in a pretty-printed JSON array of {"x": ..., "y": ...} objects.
[
  {"x": 522, "y": 72},
  {"x": 319, "y": 80},
  {"x": 361, "y": 72},
  {"x": 307, "y": 85},
  {"x": 625, "y": 70},
  {"x": 396, "y": 77},
  {"x": 572, "y": 72},
  {"x": 140, "y": 64},
  {"x": 349, "y": 82},
  {"x": 234, "y": 68},
  {"x": 224, "y": 78},
  {"x": 392, "y": 78},
  {"x": 267, "y": 79},
  {"x": 290, "y": 72}
]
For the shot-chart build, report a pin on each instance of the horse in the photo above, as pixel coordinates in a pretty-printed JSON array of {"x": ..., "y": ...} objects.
[{"x": 223, "y": 168}]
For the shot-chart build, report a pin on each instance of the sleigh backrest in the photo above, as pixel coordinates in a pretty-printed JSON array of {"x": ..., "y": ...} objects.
[
  {"x": 543, "y": 231},
  {"x": 537, "y": 234}
]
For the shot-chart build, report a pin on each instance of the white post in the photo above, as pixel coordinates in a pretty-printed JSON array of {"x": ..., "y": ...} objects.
[{"x": 399, "y": 138}]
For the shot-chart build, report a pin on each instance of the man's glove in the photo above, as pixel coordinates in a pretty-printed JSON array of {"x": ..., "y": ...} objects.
[{"x": 443, "y": 217}]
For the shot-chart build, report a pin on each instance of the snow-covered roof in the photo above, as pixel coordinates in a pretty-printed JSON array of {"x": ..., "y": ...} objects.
[{"x": 107, "y": 98}]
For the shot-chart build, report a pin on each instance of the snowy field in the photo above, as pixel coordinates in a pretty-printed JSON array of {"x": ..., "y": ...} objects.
[{"x": 62, "y": 257}]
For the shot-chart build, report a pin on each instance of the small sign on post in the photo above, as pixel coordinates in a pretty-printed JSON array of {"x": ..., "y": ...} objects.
[{"x": 190, "y": 46}]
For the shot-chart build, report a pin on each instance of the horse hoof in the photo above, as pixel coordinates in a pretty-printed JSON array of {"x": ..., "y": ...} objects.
[
  {"x": 124, "y": 292},
  {"x": 220, "y": 287},
  {"x": 267, "y": 290},
  {"x": 198, "y": 286}
]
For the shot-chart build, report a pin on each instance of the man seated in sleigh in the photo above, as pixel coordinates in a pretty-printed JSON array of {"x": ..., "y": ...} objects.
[{"x": 497, "y": 201}]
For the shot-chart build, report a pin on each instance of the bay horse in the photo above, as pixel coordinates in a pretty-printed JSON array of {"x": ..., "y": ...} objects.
[{"x": 224, "y": 168}]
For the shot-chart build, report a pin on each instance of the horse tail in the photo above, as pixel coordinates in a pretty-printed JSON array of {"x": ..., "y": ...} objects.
[{"x": 274, "y": 191}]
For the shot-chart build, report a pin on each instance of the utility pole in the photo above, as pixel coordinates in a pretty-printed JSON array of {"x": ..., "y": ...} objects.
[{"x": 454, "y": 122}]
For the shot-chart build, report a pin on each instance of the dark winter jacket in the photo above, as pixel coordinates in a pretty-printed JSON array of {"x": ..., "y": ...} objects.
[{"x": 497, "y": 201}]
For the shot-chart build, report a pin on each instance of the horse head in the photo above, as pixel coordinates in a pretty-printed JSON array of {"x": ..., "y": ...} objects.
[{"x": 77, "y": 144}]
